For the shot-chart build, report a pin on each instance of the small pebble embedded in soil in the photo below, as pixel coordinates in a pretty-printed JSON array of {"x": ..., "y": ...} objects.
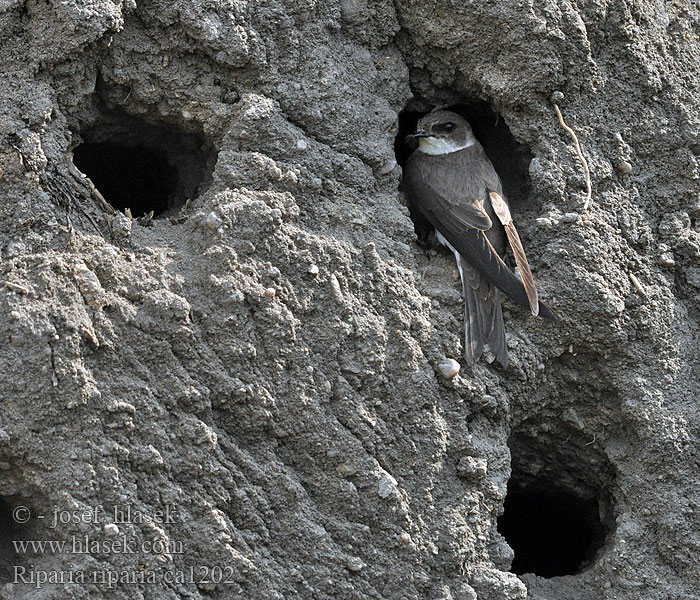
[
  {"x": 387, "y": 484},
  {"x": 355, "y": 564},
  {"x": 387, "y": 167},
  {"x": 449, "y": 368},
  {"x": 624, "y": 167},
  {"x": 213, "y": 221}
]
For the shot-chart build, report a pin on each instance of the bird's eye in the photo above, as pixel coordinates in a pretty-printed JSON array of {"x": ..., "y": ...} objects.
[{"x": 446, "y": 127}]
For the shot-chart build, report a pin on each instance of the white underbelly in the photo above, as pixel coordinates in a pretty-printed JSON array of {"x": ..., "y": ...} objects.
[{"x": 444, "y": 242}]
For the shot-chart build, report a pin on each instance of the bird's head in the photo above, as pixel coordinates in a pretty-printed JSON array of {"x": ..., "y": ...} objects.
[{"x": 442, "y": 132}]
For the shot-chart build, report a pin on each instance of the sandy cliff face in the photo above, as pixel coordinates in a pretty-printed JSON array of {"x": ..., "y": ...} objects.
[{"x": 253, "y": 373}]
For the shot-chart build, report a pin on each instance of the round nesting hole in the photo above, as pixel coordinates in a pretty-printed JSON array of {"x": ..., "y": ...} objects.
[
  {"x": 144, "y": 167},
  {"x": 558, "y": 511}
]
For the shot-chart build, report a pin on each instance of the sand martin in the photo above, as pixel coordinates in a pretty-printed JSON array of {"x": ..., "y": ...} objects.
[{"x": 451, "y": 182}]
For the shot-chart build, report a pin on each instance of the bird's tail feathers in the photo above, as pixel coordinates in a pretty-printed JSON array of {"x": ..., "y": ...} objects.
[
  {"x": 483, "y": 319},
  {"x": 497, "y": 336},
  {"x": 473, "y": 326}
]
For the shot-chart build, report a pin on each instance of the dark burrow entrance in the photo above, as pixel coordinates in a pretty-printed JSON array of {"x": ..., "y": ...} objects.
[
  {"x": 552, "y": 532},
  {"x": 558, "y": 511},
  {"x": 143, "y": 166},
  {"x": 8, "y": 533}
]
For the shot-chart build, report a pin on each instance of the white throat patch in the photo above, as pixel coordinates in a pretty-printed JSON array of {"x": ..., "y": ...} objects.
[{"x": 433, "y": 145}]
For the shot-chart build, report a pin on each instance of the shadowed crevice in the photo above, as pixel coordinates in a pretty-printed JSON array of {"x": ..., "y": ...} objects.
[{"x": 9, "y": 531}]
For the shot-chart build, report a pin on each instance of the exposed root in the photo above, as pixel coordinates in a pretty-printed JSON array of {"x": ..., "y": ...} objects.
[
  {"x": 84, "y": 179},
  {"x": 584, "y": 163},
  {"x": 637, "y": 285},
  {"x": 15, "y": 287}
]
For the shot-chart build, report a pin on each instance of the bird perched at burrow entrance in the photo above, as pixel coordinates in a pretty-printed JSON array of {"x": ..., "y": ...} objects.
[{"x": 451, "y": 182}]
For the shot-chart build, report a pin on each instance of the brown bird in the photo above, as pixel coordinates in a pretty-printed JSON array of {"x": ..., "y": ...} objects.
[{"x": 451, "y": 182}]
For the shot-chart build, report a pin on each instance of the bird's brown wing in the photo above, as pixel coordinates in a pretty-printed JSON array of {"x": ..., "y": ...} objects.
[
  {"x": 500, "y": 207},
  {"x": 455, "y": 219},
  {"x": 431, "y": 189}
]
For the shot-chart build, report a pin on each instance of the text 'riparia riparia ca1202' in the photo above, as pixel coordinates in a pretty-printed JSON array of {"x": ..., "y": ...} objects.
[{"x": 451, "y": 182}]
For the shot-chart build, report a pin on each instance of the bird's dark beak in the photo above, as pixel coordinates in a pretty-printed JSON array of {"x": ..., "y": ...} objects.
[{"x": 416, "y": 135}]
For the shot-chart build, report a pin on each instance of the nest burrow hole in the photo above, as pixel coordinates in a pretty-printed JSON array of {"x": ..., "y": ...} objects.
[
  {"x": 9, "y": 533},
  {"x": 558, "y": 511},
  {"x": 143, "y": 166}
]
